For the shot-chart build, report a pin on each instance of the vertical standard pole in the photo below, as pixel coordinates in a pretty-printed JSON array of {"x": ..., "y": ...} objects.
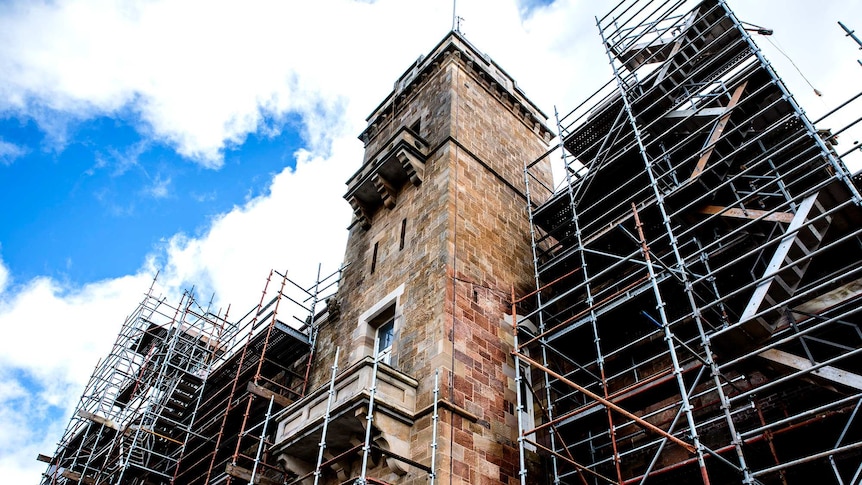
[
  {"x": 262, "y": 438},
  {"x": 685, "y": 405},
  {"x": 841, "y": 438},
  {"x": 228, "y": 405},
  {"x": 660, "y": 304},
  {"x": 549, "y": 407},
  {"x": 322, "y": 446},
  {"x": 519, "y": 408},
  {"x": 590, "y": 301},
  {"x": 369, "y": 418},
  {"x": 312, "y": 333},
  {"x": 434, "y": 419}
]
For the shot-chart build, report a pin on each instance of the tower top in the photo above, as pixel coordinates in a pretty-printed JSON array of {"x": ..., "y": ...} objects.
[{"x": 495, "y": 79}]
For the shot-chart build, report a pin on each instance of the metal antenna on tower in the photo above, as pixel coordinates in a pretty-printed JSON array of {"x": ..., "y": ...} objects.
[
  {"x": 454, "y": 15},
  {"x": 455, "y": 23},
  {"x": 456, "y": 20}
]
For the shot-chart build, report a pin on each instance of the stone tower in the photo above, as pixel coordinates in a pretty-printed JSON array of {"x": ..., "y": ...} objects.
[{"x": 439, "y": 238}]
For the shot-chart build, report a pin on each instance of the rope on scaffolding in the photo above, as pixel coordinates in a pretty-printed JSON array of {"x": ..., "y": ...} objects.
[{"x": 779, "y": 49}]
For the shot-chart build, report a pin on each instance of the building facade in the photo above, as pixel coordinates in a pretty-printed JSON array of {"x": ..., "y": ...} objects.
[
  {"x": 684, "y": 309},
  {"x": 440, "y": 235},
  {"x": 414, "y": 348}
]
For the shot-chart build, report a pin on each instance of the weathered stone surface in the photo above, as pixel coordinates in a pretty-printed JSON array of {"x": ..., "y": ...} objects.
[{"x": 465, "y": 245}]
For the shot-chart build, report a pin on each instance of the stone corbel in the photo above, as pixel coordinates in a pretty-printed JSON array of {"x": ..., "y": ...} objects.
[
  {"x": 341, "y": 471},
  {"x": 394, "y": 437},
  {"x": 385, "y": 189},
  {"x": 391, "y": 435},
  {"x": 518, "y": 109},
  {"x": 415, "y": 168},
  {"x": 360, "y": 213},
  {"x": 296, "y": 467}
]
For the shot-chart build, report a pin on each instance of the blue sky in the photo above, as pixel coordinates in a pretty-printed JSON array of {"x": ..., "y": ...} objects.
[
  {"x": 93, "y": 207},
  {"x": 210, "y": 141}
]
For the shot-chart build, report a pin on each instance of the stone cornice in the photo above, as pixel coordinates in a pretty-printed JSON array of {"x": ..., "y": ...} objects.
[{"x": 484, "y": 72}]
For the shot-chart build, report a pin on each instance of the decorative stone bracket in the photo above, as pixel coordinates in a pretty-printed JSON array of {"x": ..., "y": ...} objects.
[
  {"x": 377, "y": 183},
  {"x": 359, "y": 212},
  {"x": 413, "y": 166},
  {"x": 388, "y": 434},
  {"x": 385, "y": 189}
]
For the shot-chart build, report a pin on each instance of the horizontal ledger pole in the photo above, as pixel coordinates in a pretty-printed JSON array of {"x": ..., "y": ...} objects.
[{"x": 642, "y": 422}]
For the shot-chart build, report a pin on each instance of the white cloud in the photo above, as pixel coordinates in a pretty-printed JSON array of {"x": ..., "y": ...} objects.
[
  {"x": 202, "y": 75},
  {"x": 64, "y": 326},
  {"x": 52, "y": 338},
  {"x": 823, "y": 55},
  {"x": 158, "y": 189},
  {"x": 19, "y": 408},
  {"x": 9, "y": 152},
  {"x": 4, "y": 277},
  {"x": 301, "y": 222}
]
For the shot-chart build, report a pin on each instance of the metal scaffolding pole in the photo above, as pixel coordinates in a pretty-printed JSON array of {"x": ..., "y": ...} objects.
[
  {"x": 670, "y": 340},
  {"x": 369, "y": 417},
  {"x": 262, "y": 439},
  {"x": 139, "y": 408},
  {"x": 748, "y": 229},
  {"x": 435, "y": 418},
  {"x": 519, "y": 403},
  {"x": 330, "y": 397}
]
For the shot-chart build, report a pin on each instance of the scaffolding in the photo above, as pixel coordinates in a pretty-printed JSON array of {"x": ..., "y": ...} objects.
[
  {"x": 696, "y": 316},
  {"x": 187, "y": 396},
  {"x": 138, "y": 409},
  {"x": 266, "y": 372}
]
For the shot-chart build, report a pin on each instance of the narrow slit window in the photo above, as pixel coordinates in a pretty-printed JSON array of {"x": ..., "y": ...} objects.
[
  {"x": 374, "y": 259},
  {"x": 403, "y": 232}
]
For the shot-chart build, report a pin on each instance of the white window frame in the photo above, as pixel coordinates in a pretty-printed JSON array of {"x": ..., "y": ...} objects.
[
  {"x": 369, "y": 326},
  {"x": 384, "y": 352},
  {"x": 528, "y": 411}
]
